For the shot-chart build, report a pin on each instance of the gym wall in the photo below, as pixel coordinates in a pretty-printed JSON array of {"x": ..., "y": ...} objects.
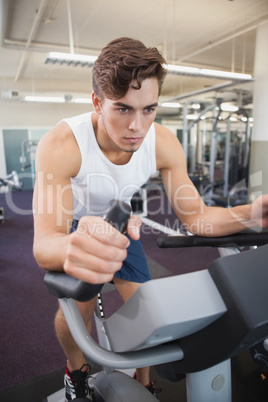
[{"x": 27, "y": 121}]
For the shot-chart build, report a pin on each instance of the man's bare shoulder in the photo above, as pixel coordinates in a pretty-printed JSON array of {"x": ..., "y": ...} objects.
[
  {"x": 58, "y": 149},
  {"x": 59, "y": 136},
  {"x": 165, "y": 136},
  {"x": 168, "y": 147}
]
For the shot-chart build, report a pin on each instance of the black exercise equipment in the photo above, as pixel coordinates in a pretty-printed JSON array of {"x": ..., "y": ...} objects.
[{"x": 187, "y": 324}]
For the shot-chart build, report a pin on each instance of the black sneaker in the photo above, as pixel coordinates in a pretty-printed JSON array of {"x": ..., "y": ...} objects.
[
  {"x": 76, "y": 384},
  {"x": 150, "y": 387}
]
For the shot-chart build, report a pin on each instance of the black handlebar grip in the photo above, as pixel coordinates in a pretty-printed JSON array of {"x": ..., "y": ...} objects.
[
  {"x": 241, "y": 239},
  {"x": 62, "y": 285},
  {"x": 118, "y": 215}
]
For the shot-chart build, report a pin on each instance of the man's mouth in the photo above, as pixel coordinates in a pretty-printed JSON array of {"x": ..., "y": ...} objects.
[{"x": 133, "y": 140}]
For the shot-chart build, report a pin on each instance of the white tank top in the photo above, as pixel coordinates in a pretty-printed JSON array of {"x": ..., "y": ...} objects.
[{"x": 99, "y": 180}]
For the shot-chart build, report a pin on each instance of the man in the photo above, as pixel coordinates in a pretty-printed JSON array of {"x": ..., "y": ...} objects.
[{"x": 86, "y": 161}]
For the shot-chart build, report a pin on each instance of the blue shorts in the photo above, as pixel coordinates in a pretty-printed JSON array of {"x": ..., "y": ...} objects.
[{"x": 135, "y": 267}]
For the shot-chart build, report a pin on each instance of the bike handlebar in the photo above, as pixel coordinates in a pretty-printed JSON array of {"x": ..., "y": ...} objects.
[
  {"x": 235, "y": 240},
  {"x": 62, "y": 285}
]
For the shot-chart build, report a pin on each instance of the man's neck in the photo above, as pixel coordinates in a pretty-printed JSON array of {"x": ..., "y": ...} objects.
[{"x": 107, "y": 147}]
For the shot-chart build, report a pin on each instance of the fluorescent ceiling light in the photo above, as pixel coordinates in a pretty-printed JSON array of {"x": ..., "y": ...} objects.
[
  {"x": 225, "y": 74},
  {"x": 191, "y": 116},
  {"x": 82, "y": 100},
  {"x": 228, "y": 107},
  {"x": 73, "y": 59},
  {"x": 70, "y": 59},
  {"x": 56, "y": 99},
  {"x": 47, "y": 99},
  {"x": 202, "y": 72},
  {"x": 170, "y": 104},
  {"x": 173, "y": 69}
]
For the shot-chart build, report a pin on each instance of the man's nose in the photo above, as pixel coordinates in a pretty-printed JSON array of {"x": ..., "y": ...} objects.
[{"x": 135, "y": 124}]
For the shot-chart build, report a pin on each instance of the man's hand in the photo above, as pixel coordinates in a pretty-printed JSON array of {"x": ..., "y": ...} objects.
[
  {"x": 133, "y": 227},
  {"x": 96, "y": 250},
  {"x": 259, "y": 211}
]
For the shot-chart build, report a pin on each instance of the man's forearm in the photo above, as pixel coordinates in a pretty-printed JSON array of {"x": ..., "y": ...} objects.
[
  {"x": 217, "y": 221},
  {"x": 50, "y": 251}
]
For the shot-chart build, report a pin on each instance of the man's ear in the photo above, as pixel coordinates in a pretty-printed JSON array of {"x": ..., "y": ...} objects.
[{"x": 96, "y": 103}]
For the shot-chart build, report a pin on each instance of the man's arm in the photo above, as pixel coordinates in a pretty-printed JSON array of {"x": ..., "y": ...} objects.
[
  {"x": 96, "y": 250},
  {"x": 52, "y": 200},
  {"x": 187, "y": 203}
]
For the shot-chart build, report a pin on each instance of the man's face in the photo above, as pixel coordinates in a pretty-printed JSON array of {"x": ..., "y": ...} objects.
[{"x": 126, "y": 121}]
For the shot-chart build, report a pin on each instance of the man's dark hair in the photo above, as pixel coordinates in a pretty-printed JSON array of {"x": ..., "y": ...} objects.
[{"x": 122, "y": 61}]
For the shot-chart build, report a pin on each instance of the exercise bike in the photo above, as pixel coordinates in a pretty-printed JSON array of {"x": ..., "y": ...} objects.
[{"x": 190, "y": 324}]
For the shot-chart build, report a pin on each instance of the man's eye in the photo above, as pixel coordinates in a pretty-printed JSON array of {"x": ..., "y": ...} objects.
[
  {"x": 149, "y": 110},
  {"x": 123, "y": 109}
]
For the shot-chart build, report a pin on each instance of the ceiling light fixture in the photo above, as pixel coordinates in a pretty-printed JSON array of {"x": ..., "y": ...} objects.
[
  {"x": 228, "y": 107},
  {"x": 203, "y": 72},
  {"x": 170, "y": 104},
  {"x": 181, "y": 70},
  {"x": 82, "y": 100},
  {"x": 225, "y": 74},
  {"x": 46, "y": 99},
  {"x": 70, "y": 59},
  {"x": 191, "y": 116},
  {"x": 82, "y": 60},
  {"x": 56, "y": 99}
]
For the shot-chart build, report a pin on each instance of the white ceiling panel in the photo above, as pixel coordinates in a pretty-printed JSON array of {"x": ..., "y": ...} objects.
[{"x": 216, "y": 34}]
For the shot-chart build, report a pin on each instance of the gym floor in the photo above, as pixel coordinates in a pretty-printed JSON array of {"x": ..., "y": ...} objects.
[
  {"x": 247, "y": 385},
  {"x": 32, "y": 363}
]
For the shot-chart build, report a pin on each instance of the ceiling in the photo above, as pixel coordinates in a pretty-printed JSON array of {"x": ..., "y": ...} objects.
[{"x": 215, "y": 34}]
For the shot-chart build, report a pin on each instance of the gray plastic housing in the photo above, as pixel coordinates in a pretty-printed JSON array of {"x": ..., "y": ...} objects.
[{"x": 163, "y": 310}]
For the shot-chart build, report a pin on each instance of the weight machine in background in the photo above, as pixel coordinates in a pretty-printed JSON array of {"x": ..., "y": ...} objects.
[
  {"x": 9, "y": 182},
  {"x": 217, "y": 151}
]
